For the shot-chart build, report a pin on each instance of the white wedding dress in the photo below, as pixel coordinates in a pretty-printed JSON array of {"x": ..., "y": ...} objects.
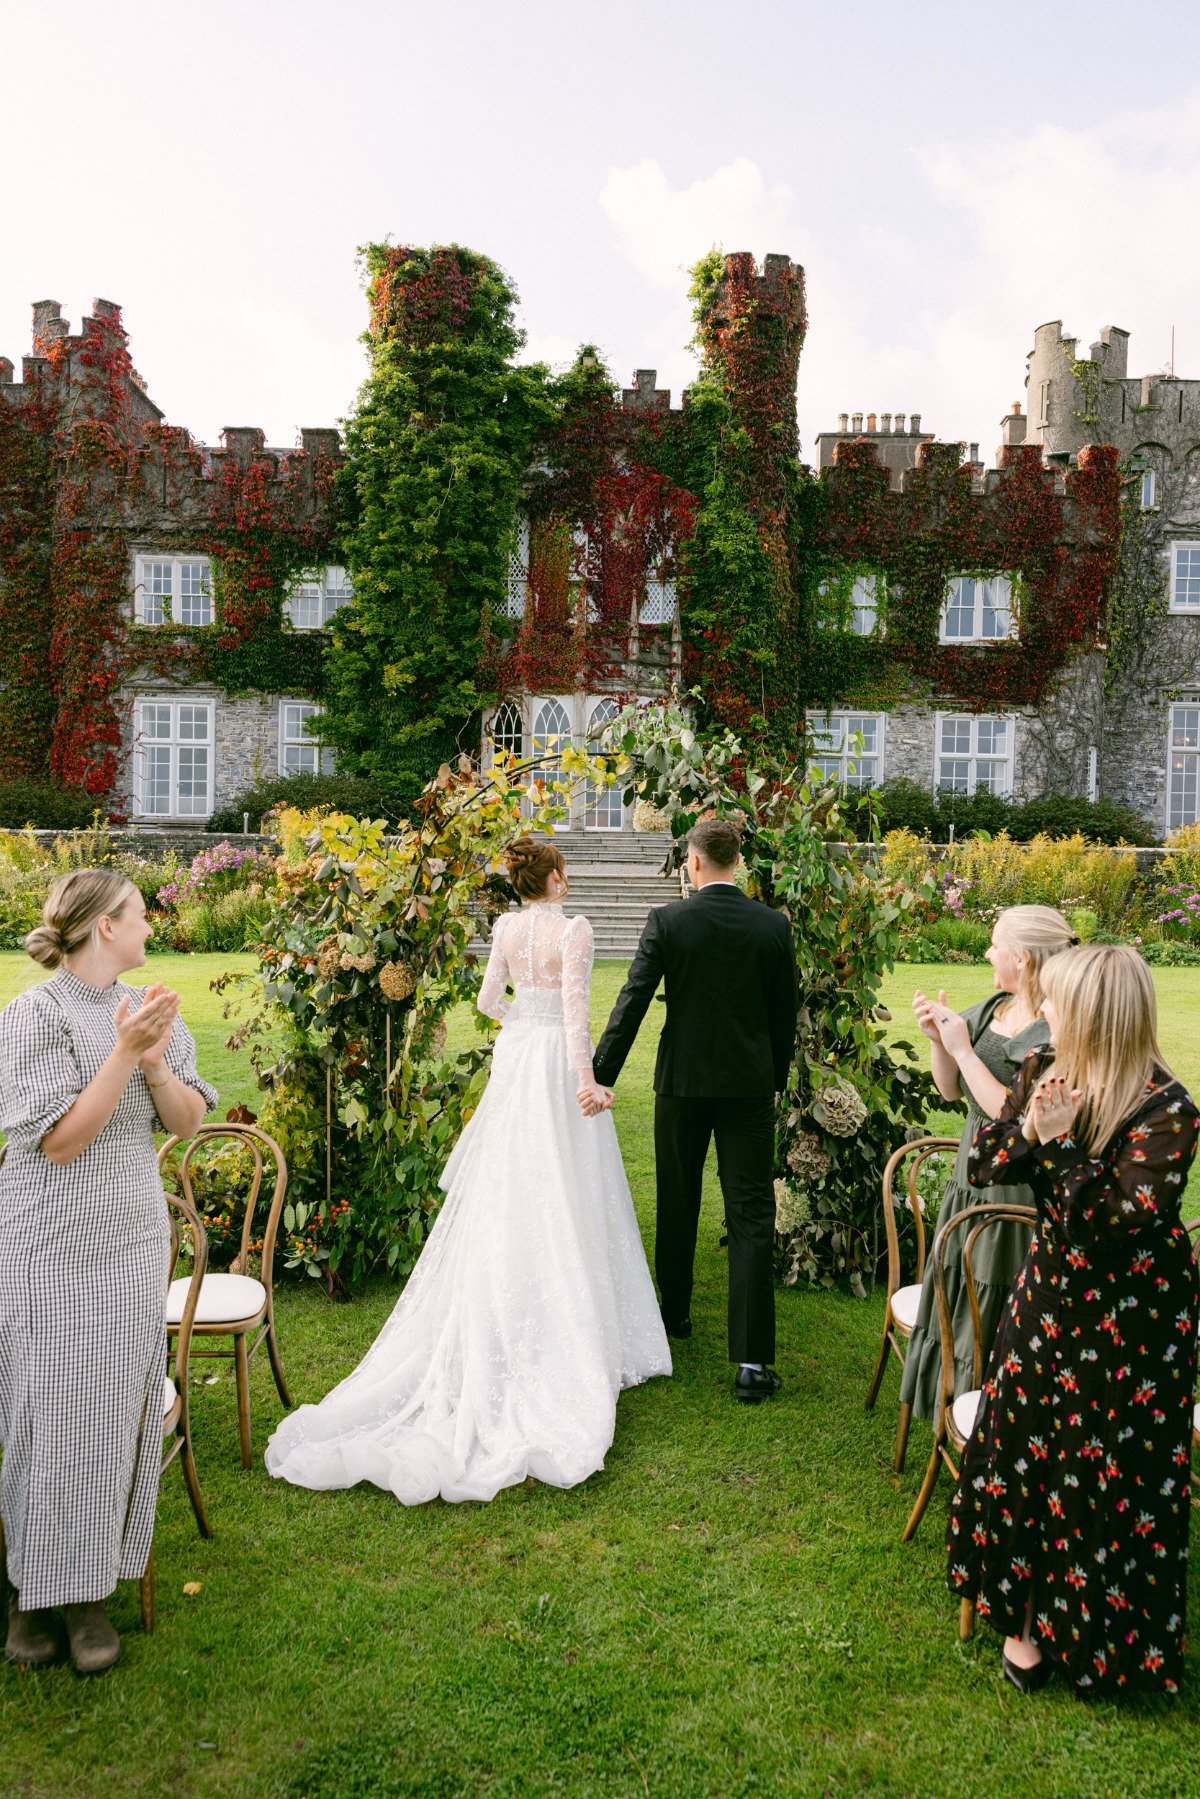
[{"x": 531, "y": 1305}]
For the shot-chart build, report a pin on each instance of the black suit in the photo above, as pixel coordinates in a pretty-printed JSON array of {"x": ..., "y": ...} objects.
[{"x": 729, "y": 969}]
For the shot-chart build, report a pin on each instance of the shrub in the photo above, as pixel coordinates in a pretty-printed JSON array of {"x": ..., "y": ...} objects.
[
  {"x": 360, "y": 797},
  {"x": 46, "y": 806},
  {"x": 227, "y": 921},
  {"x": 218, "y": 870},
  {"x": 905, "y": 805},
  {"x": 947, "y": 939},
  {"x": 1171, "y": 955},
  {"x": 1181, "y": 865},
  {"x": 1066, "y": 815}
]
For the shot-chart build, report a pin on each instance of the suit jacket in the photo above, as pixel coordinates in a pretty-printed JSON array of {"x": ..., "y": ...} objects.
[{"x": 729, "y": 968}]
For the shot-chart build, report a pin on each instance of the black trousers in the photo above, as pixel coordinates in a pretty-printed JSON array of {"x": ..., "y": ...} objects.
[{"x": 745, "y": 1134}]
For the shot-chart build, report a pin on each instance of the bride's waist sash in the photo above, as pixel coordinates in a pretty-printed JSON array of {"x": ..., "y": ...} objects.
[{"x": 536, "y": 1005}]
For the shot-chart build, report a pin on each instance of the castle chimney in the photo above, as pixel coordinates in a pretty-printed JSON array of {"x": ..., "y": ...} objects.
[
  {"x": 843, "y": 421},
  {"x": 900, "y": 423},
  {"x": 973, "y": 453},
  {"x": 870, "y": 421},
  {"x": 885, "y": 421},
  {"x": 856, "y": 423},
  {"x": 1015, "y": 407},
  {"x": 914, "y": 424}
]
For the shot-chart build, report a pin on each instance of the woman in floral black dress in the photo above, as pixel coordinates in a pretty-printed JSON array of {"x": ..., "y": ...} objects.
[{"x": 1070, "y": 1524}]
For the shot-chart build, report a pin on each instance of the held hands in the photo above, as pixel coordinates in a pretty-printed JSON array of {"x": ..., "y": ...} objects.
[
  {"x": 942, "y": 1025},
  {"x": 143, "y": 1035},
  {"x": 594, "y": 1099},
  {"x": 1052, "y": 1110}
]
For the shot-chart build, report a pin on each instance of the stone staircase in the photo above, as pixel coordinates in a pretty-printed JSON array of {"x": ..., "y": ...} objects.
[{"x": 615, "y": 880}]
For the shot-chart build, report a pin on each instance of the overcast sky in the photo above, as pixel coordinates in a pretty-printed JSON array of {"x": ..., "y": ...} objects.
[{"x": 950, "y": 175}]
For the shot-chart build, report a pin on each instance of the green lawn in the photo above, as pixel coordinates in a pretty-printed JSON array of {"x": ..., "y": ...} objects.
[{"x": 728, "y": 1609}]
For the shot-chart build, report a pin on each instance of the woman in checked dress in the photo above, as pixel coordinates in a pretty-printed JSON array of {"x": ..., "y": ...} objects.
[{"x": 89, "y": 1069}]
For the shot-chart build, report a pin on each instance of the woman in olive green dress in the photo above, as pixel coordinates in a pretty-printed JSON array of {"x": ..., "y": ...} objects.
[{"x": 976, "y": 1055}]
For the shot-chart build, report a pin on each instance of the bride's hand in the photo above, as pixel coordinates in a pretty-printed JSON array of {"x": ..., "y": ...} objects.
[{"x": 594, "y": 1099}]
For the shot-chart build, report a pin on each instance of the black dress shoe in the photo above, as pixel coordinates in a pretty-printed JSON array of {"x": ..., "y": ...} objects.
[
  {"x": 753, "y": 1385},
  {"x": 682, "y": 1329},
  {"x": 1026, "y": 1680}
]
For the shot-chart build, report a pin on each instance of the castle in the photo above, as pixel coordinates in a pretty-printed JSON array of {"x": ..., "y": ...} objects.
[{"x": 1029, "y": 628}]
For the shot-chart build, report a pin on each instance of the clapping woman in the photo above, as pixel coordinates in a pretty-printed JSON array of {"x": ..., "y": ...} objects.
[
  {"x": 89, "y": 1069},
  {"x": 975, "y": 1056},
  {"x": 1070, "y": 1524}
]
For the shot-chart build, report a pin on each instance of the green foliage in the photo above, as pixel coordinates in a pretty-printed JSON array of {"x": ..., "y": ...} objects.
[
  {"x": 904, "y": 805},
  {"x": 46, "y": 805},
  {"x": 436, "y": 453},
  {"x": 847, "y": 920},
  {"x": 221, "y": 921},
  {"x": 1165, "y": 954},
  {"x": 360, "y": 796}
]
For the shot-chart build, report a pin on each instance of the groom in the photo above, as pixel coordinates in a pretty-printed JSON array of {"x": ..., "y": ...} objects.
[{"x": 730, "y": 974}]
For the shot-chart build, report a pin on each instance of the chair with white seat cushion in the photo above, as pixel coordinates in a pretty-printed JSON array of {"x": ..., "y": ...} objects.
[
  {"x": 903, "y": 1300},
  {"x": 176, "y": 1417},
  {"x": 234, "y": 1303},
  {"x": 958, "y": 1414}
]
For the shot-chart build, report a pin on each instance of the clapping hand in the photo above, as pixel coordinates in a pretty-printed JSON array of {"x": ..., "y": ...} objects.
[
  {"x": 594, "y": 1099},
  {"x": 942, "y": 1025},
  {"x": 1053, "y": 1109},
  {"x": 146, "y": 1033}
]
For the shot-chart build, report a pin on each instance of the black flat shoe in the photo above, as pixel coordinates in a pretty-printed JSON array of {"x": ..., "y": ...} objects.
[
  {"x": 682, "y": 1329},
  {"x": 753, "y": 1385},
  {"x": 1026, "y": 1680}
]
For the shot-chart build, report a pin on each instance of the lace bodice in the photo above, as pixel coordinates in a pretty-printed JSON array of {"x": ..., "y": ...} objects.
[{"x": 538, "y": 950}]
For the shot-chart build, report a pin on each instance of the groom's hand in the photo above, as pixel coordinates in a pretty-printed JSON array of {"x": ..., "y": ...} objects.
[{"x": 594, "y": 1099}]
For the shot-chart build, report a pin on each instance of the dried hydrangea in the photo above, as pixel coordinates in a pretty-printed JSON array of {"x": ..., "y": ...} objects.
[
  {"x": 791, "y": 1209},
  {"x": 806, "y": 1159},
  {"x": 647, "y": 817},
  {"x": 364, "y": 962},
  {"x": 328, "y": 958},
  {"x": 839, "y": 1108},
  {"x": 397, "y": 980}
]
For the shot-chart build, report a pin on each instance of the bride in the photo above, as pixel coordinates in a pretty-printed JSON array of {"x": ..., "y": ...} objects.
[{"x": 531, "y": 1305}]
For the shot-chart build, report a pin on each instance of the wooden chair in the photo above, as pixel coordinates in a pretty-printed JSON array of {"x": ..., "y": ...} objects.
[
  {"x": 956, "y": 1414},
  {"x": 176, "y": 1418},
  {"x": 903, "y": 1301},
  {"x": 235, "y": 1304}
]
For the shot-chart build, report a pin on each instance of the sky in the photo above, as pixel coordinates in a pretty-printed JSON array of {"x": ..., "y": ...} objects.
[{"x": 950, "y": 176}]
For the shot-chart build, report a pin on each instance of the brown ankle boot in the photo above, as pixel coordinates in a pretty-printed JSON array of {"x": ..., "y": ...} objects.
[
  {"x": 32, "y": 1638},
  {"x": 95, "y": 1645}
]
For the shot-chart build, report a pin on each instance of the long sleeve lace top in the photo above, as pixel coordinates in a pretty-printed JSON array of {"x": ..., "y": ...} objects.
[
  {"x": 538, "y": 950},
  {"x": 1135, "y": 1183}
]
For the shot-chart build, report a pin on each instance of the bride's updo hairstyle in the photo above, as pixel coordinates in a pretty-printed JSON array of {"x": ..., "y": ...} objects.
[
  {"x": 530, "y": 863},
  {"x": 74, "y": 906}
]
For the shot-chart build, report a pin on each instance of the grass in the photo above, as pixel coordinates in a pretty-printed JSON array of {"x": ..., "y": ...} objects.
[{"x": 727, "y": 1609}]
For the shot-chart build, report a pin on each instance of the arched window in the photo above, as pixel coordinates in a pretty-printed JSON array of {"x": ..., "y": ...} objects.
[
  {"x": 508, "y": 732},
  {"x": 551, "y": 735},
  {"x": 605, "y": 807}
]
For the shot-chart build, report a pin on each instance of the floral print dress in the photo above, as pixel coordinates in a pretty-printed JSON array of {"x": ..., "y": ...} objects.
[{"x": 1075, "y": 1486}]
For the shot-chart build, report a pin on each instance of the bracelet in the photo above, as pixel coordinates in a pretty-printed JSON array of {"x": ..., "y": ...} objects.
[{"x": 154, "y": 1085}]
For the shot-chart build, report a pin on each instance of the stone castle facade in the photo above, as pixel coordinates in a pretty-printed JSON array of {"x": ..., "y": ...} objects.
[{"x": 1121, "y": 720}]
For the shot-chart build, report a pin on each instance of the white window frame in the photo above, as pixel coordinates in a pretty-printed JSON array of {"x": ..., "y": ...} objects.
[
  {"x": 850, "y": 760},
  {"x": 1149, "y": 490},
  {"x": 326, "y": 589},
  {"x": 1191, "y": 548},
  {"x": 1188, "y": 764},
  {"x": 174, "y": 743},
  {"x": 603, "y": 807},
  {"x": 659, "y": 600},
  {"x": 972, "y": 754},
  {"x": 865, "y": 594},
  {"x": 992, "y": 593},
  {"x": 323, "y": 759},
  {"x": 146, "y": 604},
  {"x": 516, "y": 596},
  {"x": 507, "y": 714}
]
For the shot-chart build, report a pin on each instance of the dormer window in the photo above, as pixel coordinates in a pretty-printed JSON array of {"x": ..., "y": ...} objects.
[
  {"x": 314, "y": 597},
  {"x": 977, "y": 609},
  {"x": 173, "y": 590}
]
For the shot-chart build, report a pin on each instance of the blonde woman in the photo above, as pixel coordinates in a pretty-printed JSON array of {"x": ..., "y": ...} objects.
[
  {"x": 975, "y": 1056},
  {"x": 1070, "y": 1524},
  {"x": 89, "y": 1070}
]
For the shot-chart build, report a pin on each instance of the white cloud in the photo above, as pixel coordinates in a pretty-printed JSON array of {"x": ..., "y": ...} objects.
[{"x": 1091, "y": 226}]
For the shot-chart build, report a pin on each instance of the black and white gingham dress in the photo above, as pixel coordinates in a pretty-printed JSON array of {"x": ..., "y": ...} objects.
[{"x": 83, "y": 1273}]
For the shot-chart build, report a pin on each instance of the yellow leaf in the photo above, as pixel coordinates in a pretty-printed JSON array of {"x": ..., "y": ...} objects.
[{"x": 191, "y": 1588}]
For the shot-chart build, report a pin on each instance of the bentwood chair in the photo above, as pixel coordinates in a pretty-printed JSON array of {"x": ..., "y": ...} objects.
[
  {"x": 176, "y": 1417},
  {"x": 957, "y": 1413},
  {"x": 235, "y": 1304},
  {"x": 903, "y": 1300}
]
